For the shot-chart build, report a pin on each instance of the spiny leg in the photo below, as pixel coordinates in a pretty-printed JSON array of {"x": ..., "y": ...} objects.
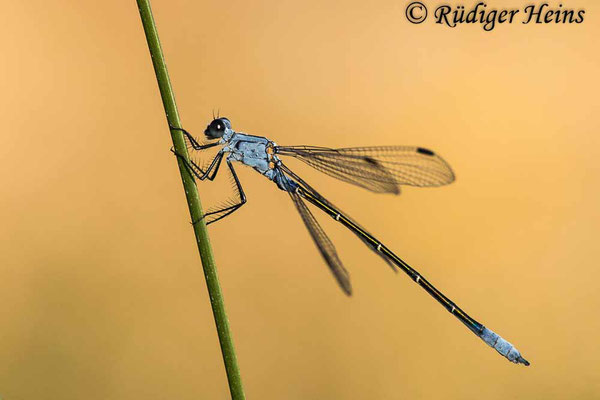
[
  {"x": 193, "y": 142},
  {"x": 230, "y": 209},
  {"x": 195, "y": 169},
  {"x": 214, "y": 167}
]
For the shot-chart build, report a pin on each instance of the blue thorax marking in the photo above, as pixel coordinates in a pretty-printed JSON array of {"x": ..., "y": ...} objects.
[{"x": 256, "y": 152}]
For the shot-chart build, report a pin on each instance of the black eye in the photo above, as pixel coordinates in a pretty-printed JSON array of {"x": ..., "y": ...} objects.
[{"x": 218, "y": 125}]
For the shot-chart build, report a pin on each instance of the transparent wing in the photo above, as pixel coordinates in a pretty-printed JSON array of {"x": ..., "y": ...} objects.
[
  {"x": 378, "y": 169},
  {"x": 323, "y": 200},
  {"x": 323, "y": 243}
]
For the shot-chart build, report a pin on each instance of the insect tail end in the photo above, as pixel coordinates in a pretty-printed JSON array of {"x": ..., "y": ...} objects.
[{"x": 503, "y": 347}]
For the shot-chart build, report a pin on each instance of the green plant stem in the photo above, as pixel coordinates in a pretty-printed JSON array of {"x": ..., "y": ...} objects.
[{"x": 191, "y": 193}]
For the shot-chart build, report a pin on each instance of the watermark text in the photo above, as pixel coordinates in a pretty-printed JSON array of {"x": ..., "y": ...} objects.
[{"x": 489, "y": 18}]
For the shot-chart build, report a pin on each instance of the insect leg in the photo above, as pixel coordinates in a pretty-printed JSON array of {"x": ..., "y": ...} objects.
[
  {"x": 193, "y": 142},
  {"x": 224, "y": 212},
  {"x": 197, "y": 171},
  {"x": 210, "y": 174}
]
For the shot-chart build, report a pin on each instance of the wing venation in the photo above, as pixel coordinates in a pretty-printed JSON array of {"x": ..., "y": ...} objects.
[
  {"x": 378, "y": 169},
  {"x": 324, "y": 244}
]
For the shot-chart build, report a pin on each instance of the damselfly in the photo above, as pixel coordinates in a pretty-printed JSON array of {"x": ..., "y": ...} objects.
[{"x": 378, "y": 169}]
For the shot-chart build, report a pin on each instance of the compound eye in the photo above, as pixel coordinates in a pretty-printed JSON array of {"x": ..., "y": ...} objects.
[{"x": 218, "y": 125}]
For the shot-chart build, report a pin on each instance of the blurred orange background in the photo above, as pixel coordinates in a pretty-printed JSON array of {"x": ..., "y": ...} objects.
[{"x": 103, "y": 295}]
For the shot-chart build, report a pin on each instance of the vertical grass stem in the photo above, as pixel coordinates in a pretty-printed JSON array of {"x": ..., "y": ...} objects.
[{"x": 194, "y": 205}]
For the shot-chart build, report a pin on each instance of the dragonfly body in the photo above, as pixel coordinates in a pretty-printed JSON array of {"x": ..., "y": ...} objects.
[
  {"x": 378, "y": 169},
  {"x": 256, "y": 152},
  {"x": 251, "y": 151}
]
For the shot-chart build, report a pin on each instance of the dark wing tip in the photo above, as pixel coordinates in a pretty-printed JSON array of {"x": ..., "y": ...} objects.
[
  {"x": 347, "y": 288},
  {"x": 425, "y": 151},
  {"x": 343, "y": 278}
]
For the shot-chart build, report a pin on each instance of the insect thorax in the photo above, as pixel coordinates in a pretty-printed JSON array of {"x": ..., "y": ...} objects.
[{"x": 253, "y": 151}]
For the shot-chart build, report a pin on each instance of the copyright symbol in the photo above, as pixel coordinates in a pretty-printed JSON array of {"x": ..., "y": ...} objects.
[{"x": 416, "y": 12}]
